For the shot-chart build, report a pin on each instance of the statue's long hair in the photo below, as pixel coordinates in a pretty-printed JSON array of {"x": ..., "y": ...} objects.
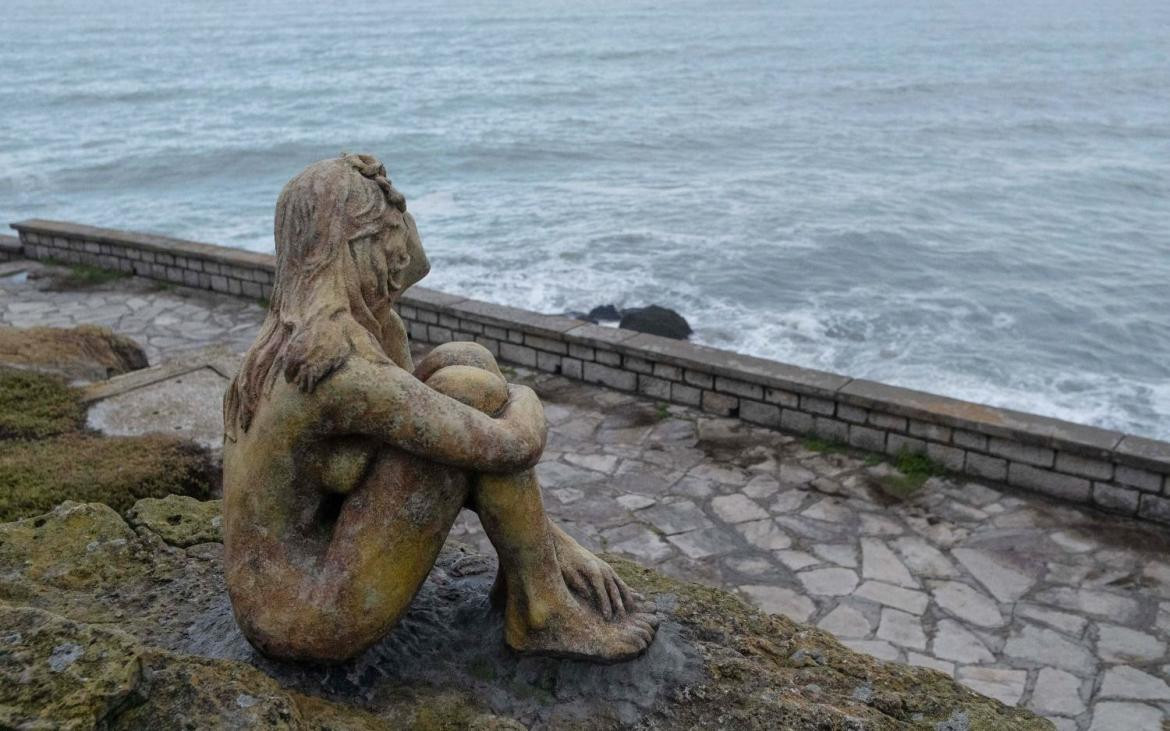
[{"x": 331, "y": 272}]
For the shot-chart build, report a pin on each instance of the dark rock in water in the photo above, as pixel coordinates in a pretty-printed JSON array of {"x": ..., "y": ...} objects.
[
  {"x": 608, "y": 313},
  {"x": 656, "y": 320},
  {"x": 111, "y": 626}
]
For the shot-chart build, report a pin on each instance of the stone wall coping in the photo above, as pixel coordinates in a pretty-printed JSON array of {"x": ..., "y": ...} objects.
[
  {"x": 150, "y": 242},
  {"x": 718, "y": 378},
  {"x": 991, "y": 420}
]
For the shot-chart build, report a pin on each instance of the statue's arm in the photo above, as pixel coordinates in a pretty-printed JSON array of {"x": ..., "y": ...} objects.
[{"x": 391, "y": 405}]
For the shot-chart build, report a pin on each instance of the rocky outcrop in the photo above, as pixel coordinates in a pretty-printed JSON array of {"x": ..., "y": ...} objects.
[
  {"x": 105, "y": 624},
  {"x": 84, "y": 353},
  {"x": 656, "y": 320}
]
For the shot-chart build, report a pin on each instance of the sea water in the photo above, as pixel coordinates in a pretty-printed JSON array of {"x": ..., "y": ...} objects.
[{"x": 970, "y": 198}]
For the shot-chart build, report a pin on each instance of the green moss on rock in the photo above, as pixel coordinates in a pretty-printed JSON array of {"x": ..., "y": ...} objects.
[
  {"x": 36, "y": 405},
  {"x": 117, "y": 471},
  {"x": 180, "y": 520}
]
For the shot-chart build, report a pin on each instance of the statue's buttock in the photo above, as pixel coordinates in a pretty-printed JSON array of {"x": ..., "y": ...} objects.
[{"x": 345, "y": 465}]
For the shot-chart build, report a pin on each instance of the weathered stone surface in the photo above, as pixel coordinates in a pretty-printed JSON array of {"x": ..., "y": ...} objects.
[
  {"x": 83, "y": 353},
  {"x": 168, "y": 651},
  {"x": 180, "y": 520}
]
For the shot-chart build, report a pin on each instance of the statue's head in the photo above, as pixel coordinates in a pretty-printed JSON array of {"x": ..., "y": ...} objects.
[
  {"x": 343, "y": 218},
  {"x": 346, "y": 249}
]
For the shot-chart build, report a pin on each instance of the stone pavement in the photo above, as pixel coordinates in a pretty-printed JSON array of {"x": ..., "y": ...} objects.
[{"x": 1057, "y": 608}]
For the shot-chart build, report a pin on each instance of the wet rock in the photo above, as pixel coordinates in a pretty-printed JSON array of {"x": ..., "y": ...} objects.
[
  {"x": 85, "y": 353},
  {"x": 656, "y": 320},
  {"x": 120, "y": 628},
  {"x": 607, "y": 313}
]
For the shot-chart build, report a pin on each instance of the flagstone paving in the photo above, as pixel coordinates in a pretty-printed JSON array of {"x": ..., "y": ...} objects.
[{"x": 1050, "y": 606}]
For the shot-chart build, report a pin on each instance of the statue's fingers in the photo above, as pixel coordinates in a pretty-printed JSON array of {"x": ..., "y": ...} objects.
[
  {"x": 630, "y": 598},
  {"x": 575, "y": 583}
]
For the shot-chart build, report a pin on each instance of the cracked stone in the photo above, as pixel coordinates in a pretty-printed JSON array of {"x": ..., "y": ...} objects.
[
  {"x": 828, "y": 582},
  {"x": 828, "y": 510},
  {"x": 702, "y": 543},
  {"x": 1121, "y": 644},
  {"x": 1057, "y": 692},
  {"x": 879, "y": 562},
  {"x": 1042, "y": 645},
  {"x": 635, "y": 502},
  {"x": 1005, "y": 583},
  {"x": 1069, "y": 623},
  {"x": 902, "y": 629},
  {"x": 1124, "y": 681},
  {"x": 1101, "y": 603},
  {"x": 842, "y": 554},
  {"x": 967, "y": 604},
  {"x": 737, "y": 509},
  {"x": 877, "y": 525},
  {"x": 764, "y": 534},
  {"x": 847, "y": 622},
  {"x": 597, "y": 462},
  {"x": 797, "y": 560},
  {"x": 787, "y": 502},
  {"x": 794, "y": 474},
  {"x": 924, "y": 559},
  {"x": 1006, "y": 686},
  {"x": 675, "y": 517},
  {"x": 780, "y": 600},
  {"x": 638, "y": 541},
  {"x": 1117, "y": 716},
  {"x": 760, "y": 487},
  {"x": 953, "y": 642},
  {"x": 908, "y": 600}
]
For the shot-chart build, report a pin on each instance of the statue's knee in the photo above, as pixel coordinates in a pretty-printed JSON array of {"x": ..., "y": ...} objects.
[
  {"x": 459, "y": 353},
  {"x": 477, "y": 387}
]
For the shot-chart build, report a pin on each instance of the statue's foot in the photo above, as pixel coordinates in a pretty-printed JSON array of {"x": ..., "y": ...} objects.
[
  {"x": 592, "y": 615},
  {"x": 592, "y": 579}
]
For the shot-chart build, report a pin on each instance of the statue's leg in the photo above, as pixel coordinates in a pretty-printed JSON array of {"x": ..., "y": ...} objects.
[{"x": 558, "y": 598}]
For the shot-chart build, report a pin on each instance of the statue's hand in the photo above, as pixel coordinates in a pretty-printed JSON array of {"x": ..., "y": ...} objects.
[{"x": 523, "y": 418}]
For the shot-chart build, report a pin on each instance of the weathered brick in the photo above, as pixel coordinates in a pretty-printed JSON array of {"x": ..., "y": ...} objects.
[
  {"x": 514, "y": 353},
  {"x": 658, "y": 388},
  {"x": 933, "y": 432},
  {"x": 1141, "y": 479},
  {"x": 546, "y": 344},
  {"x": 406, "y": 312},
  {"x": 688, "y": 395},
  {"x": 1116, "y": 498},
  {"x": 832, "y": 429},
  {"x": 638, "y": 365},
  {"x": 571, "y": 368},
  {"x": 864, "y": 437},
  {"x": 851, "y": 413},
  {"x": 438, "y": 334},
  {"x": 951, "y": 458},
  {"x": 219, "y": 283},
  {"x": 698, "y": 378},
  {"x": 491, "y": 344},
  {"x": 418, "y": 331},
  {"x": 581, "y": 352},
  {"x": 1084, "y": 466},
  {"x": 812, "y": 404},
  {"x": 233, "y": 283},
  {"x": 516, "y": 336},
  {"x": 969, "y": 440},
  {"x": 548, "y": 362},
  {"x": 608, "y": 357},
  {"x": 897, "y": 444},
  {"x": 470, "y": 326},
  {"x": 760, "y": 413},
  {"x": 448, "y": 321},
  {"x": 991, "y": 468},
  {"x": 1048, "y": 482},
  {"x": 612, "y": 377},
  {"x": 787, "y": 399},
  {"x": 432, "y": 318},
  {"x": 669, "y": 372},
  {"x": 1026, "y": 453},
  {"x": 1156, "y": 508},
  {"x": 191, "y": 278},
  {"x": 887, "y": 421},
  {"x": 719, "y": 403},
  {"x": 496, "y": 333},
  {"x": 796, "y": 421},
  {"x": 739, "y": 388}
]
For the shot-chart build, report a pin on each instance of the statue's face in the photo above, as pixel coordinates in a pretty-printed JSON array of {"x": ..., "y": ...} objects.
[{"x": 418, "y": 266}]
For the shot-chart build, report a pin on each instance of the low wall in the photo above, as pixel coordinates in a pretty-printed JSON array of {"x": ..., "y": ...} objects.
[{"x": 1117, "y": 472}]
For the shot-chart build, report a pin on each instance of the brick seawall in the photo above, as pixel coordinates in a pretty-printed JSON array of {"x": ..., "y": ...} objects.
[{"x": 1117, "y": 472}]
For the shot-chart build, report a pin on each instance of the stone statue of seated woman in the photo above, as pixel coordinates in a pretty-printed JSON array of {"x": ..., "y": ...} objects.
[{"x": 345, "y": 465}]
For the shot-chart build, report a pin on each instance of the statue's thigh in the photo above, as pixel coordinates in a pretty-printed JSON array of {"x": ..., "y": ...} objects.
[{"x": 390, "y": 529}]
